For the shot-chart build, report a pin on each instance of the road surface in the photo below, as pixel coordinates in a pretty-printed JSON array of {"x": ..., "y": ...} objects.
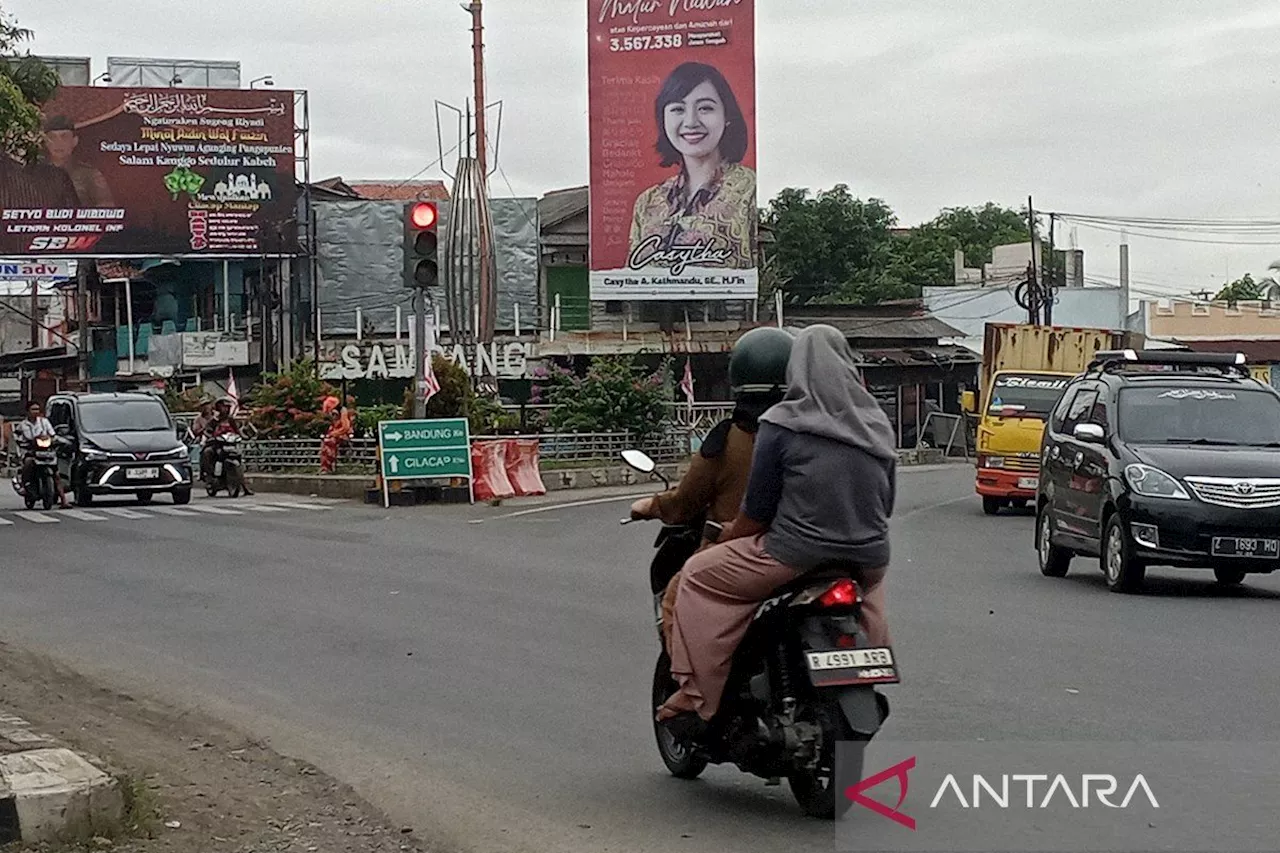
[{"x": 482, "y": 673}]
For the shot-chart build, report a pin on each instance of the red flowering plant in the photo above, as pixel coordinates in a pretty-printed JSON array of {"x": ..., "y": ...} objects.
[{"x": 289, "y": 405}]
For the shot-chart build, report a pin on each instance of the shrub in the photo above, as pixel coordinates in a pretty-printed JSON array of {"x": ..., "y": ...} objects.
[
  {"x": 288, "y": 405},
  {"x": 616, "y": 395}
]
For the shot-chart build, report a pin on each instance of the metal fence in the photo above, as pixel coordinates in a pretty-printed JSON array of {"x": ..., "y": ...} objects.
[{"x": 287, "y": 455}]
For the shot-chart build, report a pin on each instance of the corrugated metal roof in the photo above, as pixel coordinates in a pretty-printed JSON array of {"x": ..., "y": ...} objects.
[
  {"x": 914, "y": 356},
  {"x": 400, "y": 190},
  {"x": 913, "y": 328},
  {"x": 1257, "y": 352},
  {"x": 560, "y": 205}
]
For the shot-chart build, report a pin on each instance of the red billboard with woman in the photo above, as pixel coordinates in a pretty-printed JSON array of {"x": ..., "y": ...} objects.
[{"x": 673, "y": 182}]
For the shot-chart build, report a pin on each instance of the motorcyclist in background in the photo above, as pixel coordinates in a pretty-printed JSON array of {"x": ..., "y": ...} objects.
[
  {"x": 223, "y": 423},
  {"x": 25, "y": 434},
  {"x": 716, "y": 482}
]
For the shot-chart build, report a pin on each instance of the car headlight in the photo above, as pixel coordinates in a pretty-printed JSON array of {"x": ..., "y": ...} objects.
[
  {"x": 177, "y": 453},
  {"x": 93, "y": 454},
  {"x": 1154, "y": 483}
]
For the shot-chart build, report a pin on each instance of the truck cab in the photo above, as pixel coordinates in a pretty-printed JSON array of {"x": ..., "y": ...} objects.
[{"x": 1015, "y": 406}]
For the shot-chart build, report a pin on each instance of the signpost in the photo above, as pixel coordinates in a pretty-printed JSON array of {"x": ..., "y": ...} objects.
[{"x": 422, "y": 449}]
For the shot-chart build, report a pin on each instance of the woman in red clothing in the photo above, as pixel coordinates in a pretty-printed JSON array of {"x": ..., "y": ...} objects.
[{"x": 339, "y": 433}]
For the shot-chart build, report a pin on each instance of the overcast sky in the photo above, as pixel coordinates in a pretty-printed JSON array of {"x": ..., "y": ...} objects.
[{"x": 1149, "y": 108}]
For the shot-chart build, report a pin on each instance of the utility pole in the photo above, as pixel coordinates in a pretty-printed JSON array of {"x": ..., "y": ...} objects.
[
  {"x": 1052, "y": 266},
  {"x": 1033, "y": 290},
  {"x": 82, "y": 316},
  {"x": 35, "y": 313},
  {"x": 420, "y": 353},
  {"x": 484, "y": 331}
]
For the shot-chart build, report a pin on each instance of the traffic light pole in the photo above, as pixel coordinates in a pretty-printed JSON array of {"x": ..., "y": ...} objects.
[{"x": 419, "y": 352}]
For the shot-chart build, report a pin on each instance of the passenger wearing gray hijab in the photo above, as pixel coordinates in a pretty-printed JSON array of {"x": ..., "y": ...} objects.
[{"x": 821, "y": 492}]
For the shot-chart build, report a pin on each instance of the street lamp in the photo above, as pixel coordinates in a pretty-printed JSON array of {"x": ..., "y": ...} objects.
[
  {"x": 175, "y": 80},
  {"x": 104, "y": 77},
  {"x": 266, "y": 81}
]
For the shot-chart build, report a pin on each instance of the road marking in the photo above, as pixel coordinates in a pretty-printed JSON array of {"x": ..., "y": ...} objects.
[
  {"x": 292, "y": 505},
  {"x": 262, "y": 508},
  {"x": 36, "y": 517},
  {"x": 4, "y": 522},
  {"x": 570, "y": 505},
  {"x": 120, "y": 512},
  {"x": 82, "y": 515},
  {"x": 173, "y": 510},
  {"x": 214, "y": 510}
]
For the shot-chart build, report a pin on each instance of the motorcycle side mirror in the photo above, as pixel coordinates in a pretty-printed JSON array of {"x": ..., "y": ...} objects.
[{"x": 641, "y": 461}]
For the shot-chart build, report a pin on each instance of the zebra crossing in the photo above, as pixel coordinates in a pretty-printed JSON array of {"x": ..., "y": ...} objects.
[{"x": 193, "y": 510}]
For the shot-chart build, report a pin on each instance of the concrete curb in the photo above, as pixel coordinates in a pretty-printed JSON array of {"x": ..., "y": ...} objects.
[
  {"x": 49, "y": 793},
  {"x": 354, "y": 486}
]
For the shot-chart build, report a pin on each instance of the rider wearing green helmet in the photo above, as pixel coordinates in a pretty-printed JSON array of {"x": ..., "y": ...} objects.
[{"x": 716, "y": 483}]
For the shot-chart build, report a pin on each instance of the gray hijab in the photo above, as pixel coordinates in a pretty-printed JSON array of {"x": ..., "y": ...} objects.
[{"x": 825, "y": 396}]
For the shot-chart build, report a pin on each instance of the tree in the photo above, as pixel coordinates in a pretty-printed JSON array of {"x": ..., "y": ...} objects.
[
  {"x": 1241, "y": 290},
  {"x": 25, "y": 84},
  {"x": 926, "y": 256},
  {"x": 830, "y": 246}
]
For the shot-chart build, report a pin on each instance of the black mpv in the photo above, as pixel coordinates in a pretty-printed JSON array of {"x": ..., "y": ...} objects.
[
  {"x": 122, "y": 444},
  {"x": 1162, "y": 458}
]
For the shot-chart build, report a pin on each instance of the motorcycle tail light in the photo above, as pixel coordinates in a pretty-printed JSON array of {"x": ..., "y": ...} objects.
[
  {"x": 842, "y": 593},
  {"x": 846, "y": 641}
]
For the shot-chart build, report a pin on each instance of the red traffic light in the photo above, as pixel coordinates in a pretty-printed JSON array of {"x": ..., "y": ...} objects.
[{"x": 423, "y": 215}]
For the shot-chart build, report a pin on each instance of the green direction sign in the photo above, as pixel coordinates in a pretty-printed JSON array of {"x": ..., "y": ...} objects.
[{"x": 414, "y": 450}]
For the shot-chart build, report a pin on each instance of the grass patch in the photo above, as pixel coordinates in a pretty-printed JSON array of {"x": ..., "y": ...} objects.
[{"x": 141, "y": 817}]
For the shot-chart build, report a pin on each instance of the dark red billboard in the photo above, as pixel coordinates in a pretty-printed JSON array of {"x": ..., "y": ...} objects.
[{"x": 146, "y": 172}]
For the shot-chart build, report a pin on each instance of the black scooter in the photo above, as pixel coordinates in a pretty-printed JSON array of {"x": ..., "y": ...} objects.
[
  {"x": 802, "y": 680},
  {"x": 228, "y": 467}
]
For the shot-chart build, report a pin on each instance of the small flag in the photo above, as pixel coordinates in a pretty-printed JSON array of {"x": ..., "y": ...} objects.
[
  {"x": 686, "y": 384},
  {"x": 430, "y": 385},
  {"x": 232, "y": 391}
]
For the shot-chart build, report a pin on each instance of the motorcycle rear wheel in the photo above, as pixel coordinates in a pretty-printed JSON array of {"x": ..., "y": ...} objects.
[
  {"x": 816, "y": 789},
  {"x": 681, "y": 761}
]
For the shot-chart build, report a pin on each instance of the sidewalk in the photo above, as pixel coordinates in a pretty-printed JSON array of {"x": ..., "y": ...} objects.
[{"x": 184, "y": 784}]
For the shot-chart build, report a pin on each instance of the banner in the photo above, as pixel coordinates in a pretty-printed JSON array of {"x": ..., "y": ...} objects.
[
  {"x": 673, "y": 183},
  {"x": 145, "y": 172}
]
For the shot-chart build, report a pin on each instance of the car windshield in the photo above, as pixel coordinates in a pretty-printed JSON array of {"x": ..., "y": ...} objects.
[
  {"x": 123, "y": 416},
  {"x": 1208, "y": 416},
  {"x": 1026, "y": 395}
]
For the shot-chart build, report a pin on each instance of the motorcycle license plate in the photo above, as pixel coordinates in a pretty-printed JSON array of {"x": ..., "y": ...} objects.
[
  {"x": 141, "y": 473},
  {"x": 842, "y": 667}
]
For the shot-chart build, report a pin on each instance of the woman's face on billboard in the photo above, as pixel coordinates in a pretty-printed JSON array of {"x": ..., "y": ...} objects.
[{"x": 696, "y": 124}]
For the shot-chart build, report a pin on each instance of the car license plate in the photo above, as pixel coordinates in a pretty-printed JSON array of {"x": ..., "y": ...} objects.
[
  {"x": 843, "y": 667},
  {"x": 1232, "y": 546},
  {"x": 141, "y": 473},
  {"x": 1028, "y": 482}
]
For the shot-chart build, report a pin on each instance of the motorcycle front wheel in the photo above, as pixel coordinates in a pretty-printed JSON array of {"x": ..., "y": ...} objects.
[
  {"x": 47, "y": 492},
  {"x": 681, "y": 761}
]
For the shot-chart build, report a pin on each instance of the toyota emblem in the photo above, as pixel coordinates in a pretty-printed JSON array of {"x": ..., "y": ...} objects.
[{"x": 1244, "y": 488}]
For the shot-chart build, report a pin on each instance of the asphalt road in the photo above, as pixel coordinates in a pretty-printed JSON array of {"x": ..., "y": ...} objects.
[{"x": 482, "y": 673}]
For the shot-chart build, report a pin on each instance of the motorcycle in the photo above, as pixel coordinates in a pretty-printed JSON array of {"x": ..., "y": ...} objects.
[
  {"x": 41, "y": 488},
  {"x": 802, "y": 680},
  {"x": 228, "y": 466}
]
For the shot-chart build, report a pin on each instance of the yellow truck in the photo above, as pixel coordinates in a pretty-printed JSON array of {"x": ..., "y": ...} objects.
[{"x": 1024, "y": 371}]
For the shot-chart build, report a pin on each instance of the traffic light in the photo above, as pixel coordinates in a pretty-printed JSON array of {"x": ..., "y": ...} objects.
[{"x": 421, "y": 244}]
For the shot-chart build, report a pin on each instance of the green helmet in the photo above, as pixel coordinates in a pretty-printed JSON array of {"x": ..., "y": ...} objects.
[{"x": 758, "y": 363}]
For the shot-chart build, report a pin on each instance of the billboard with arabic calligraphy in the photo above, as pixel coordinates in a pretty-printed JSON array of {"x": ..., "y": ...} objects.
[
  {"x": 673, "y": 149},
  {"x": 146, "y": 172}
]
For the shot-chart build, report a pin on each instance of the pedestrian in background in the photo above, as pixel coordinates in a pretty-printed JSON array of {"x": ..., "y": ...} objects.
[{"x": 340, "y": 432}]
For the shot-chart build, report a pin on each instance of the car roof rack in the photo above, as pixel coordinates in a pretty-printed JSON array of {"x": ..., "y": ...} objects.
[{"x": 1116, "y": 361}]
